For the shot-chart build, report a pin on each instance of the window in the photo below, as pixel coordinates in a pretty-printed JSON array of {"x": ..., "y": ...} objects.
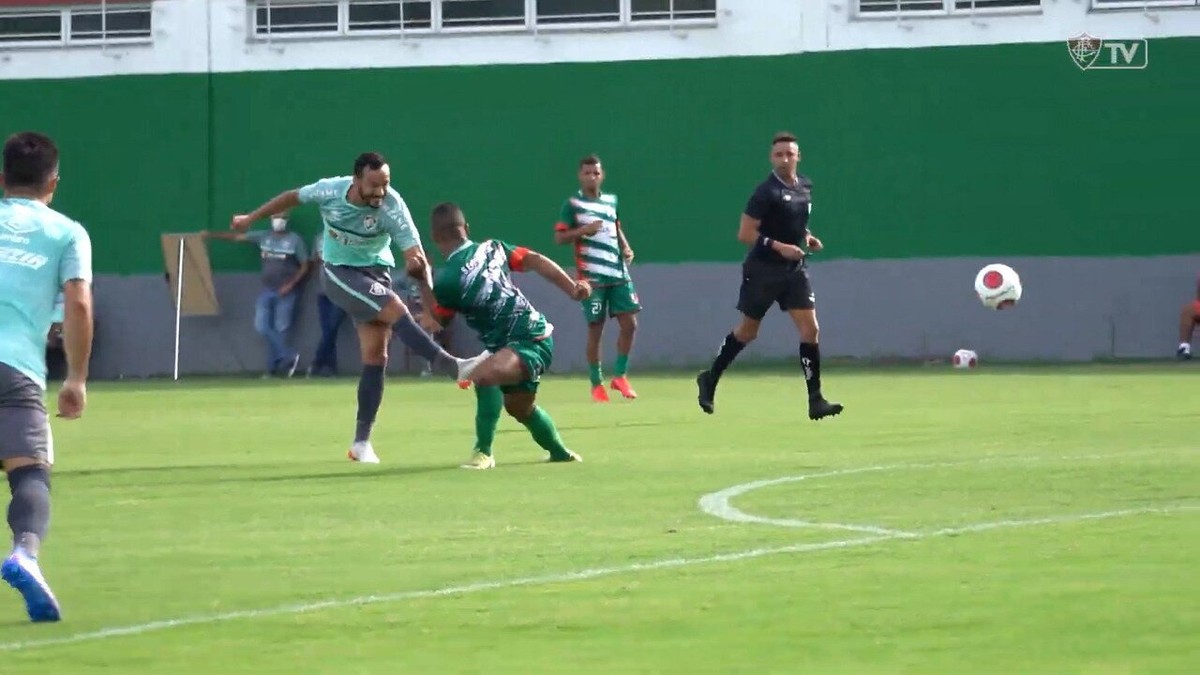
[
  {"x": 578, "y": 11},
  {"x": 977, "y": 5},
  {"x": 272, "y": 18},
  {"x": 113, "y": 23},
  {"x": 335, "y": 18},
  {"x": 672, "y": 10},
  {"x": 94, "y": 23},
  {"x": 31, "y": 27},
  {"x": 942, "y": 7},
  {"x": 1142, "y": 4},
  {"x": 384, "y": 15},
  {"x": 461, "y": 13}
]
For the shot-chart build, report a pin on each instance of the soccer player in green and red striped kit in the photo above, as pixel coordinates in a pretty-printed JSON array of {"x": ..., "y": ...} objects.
[{"x": 589, "y": 221}]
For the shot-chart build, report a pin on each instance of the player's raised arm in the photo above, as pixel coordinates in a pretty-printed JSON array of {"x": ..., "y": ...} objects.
[
  {"x": 527, "y": 259},
  {"x": 284, "y": 201}
]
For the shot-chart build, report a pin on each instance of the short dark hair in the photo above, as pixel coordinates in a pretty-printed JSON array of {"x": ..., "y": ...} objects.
[
  {"x": 591, "y": 160},
  {"x": 30, "y": 160},
  {"x": 368, "y": 160},
  {"x": 784, "y": 137},
  {"x": 447, "y": 217}
]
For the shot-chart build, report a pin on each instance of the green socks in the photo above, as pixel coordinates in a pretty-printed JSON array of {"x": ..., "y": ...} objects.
[
  {"x": 489, "y": 402},
  {"x": 545, "y": 434},
  {"x": 619, "y": 369}
]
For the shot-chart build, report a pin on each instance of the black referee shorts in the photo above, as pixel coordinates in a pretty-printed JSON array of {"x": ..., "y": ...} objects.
[{"x": 764, "y": 284}]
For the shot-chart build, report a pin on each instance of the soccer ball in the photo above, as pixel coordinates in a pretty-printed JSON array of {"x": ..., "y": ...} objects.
[
  {"x": 964, "y": 358},
  {"x": 998, "y": 286}
]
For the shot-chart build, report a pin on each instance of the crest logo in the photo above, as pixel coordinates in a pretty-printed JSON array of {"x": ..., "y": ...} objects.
[
  {"x": 370, "y": 223},
  {"x": 1093, "y": 53}
]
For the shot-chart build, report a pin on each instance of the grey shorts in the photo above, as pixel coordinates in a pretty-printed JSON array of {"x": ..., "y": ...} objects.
[
  {"x": 361, "y": 291},
  {"x": 24, "y": 425}
]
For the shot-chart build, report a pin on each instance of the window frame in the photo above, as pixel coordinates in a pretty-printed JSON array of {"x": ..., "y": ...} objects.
[
  {"x": 437, "y": 25},
  {"x": 66, "y": 12}
]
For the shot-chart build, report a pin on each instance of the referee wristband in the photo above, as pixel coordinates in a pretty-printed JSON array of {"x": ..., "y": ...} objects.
[{"x": 765, "y": 242}]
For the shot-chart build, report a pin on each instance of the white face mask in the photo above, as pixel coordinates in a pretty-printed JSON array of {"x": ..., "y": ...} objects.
[{"x": 278, "y": 224}]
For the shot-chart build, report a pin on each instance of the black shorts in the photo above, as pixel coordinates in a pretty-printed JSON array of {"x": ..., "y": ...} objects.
[
  {"x": 24, "y": 424},
  {"x": 764, "y": 284}
]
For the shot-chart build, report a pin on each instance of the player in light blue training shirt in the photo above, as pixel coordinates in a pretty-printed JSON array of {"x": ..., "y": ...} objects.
[
  {"x": 42, "y": 254},
  {"x": 364, "y": 218}
]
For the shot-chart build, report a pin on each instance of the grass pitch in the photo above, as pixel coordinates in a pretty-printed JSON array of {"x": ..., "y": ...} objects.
[{"x": 1006, "y": 520}]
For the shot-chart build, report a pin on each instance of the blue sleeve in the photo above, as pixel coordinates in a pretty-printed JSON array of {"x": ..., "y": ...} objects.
[
  {"x": 399, "y": 223},
  {"x": 76, "y": 262},
  {"x": 256, "y": 236},
  {"x": 759, "y": 204}
]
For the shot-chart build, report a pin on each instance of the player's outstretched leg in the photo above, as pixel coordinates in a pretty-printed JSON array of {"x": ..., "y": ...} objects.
[
  {"x": 506, "y": 369},
  {"x": 423, "y": 344},
  {"x": 29, "y": 519},
  {"x": 488, "y": 404}
]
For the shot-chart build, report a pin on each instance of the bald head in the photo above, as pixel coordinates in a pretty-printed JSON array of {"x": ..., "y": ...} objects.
[{"x": 448, "y": 226}]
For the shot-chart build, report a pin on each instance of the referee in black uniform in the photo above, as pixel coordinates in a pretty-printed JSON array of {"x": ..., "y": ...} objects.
[{"x": 775, "y": 225}]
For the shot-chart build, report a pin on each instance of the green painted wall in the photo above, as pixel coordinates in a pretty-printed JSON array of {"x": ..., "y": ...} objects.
[{"x": 994, "y": 150}]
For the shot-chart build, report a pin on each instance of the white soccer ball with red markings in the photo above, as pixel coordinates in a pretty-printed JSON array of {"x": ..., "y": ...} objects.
[
  {"x": 965, "y": 358},
  {"x": 998, "y": 286}
]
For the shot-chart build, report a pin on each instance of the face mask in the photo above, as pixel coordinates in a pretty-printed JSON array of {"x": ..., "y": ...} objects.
[{"x": 278, "y": 224}]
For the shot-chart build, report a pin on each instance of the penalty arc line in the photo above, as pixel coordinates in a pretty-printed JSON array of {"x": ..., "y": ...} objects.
[
  {"x": 581, "y": 575},
  {"x": 718, "y": 503}
]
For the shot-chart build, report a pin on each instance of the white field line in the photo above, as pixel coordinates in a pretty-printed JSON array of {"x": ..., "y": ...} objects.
[
  {"x": 581, "y": 575},
  {"x": 599, "y": 572}
]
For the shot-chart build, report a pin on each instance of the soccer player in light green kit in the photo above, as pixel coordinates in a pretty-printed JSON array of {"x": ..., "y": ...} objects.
[
  {"x": 364, "y": 218},
  {"x": 476, "y": 282},
  {"x": 590, "y": 221}
]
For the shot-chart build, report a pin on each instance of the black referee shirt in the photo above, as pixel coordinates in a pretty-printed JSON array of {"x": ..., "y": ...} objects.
[{"x": 782, "y": 210}]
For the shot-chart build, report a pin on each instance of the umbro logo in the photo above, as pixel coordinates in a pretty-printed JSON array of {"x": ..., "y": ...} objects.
[{"x": 378, "y": 289}]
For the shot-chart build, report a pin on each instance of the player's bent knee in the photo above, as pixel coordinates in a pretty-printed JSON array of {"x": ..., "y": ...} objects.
[
  {"x": 519, "y": 406},
  {"x": 392, "y": 312}
]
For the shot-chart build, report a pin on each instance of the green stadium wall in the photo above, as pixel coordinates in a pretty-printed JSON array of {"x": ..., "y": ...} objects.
[
  {"x": 927, "y": 164},
  {"x": 943, "y": 152}
]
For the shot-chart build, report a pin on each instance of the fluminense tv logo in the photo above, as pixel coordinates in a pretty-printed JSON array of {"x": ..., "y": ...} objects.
[{"x": 1093, "y": 53}]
